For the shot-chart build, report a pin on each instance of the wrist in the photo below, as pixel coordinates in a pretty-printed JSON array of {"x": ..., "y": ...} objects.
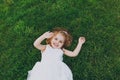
[
  {"x": 80, "y": 43},
  {"x": 43, "y": 36}
]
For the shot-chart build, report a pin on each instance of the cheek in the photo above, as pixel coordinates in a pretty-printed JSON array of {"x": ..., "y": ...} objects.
[
  {"x": 52, "y": 40},
  {"x": 61, "y": 44}
]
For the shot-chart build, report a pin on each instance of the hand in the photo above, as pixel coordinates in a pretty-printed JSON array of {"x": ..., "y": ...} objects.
[
  {"x": 82, "y": 40},
  {"x": 48, "y": 34}
]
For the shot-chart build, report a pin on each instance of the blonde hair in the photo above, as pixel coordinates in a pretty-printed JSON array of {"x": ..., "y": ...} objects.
[{"x": 65, "y": 33}]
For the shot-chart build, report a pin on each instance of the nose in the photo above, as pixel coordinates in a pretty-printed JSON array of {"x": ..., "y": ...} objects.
[{"x": 57, "y": 41}]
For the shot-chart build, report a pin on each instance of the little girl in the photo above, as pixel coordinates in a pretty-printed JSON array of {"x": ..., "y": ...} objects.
[{"x": 51, "y": 66}]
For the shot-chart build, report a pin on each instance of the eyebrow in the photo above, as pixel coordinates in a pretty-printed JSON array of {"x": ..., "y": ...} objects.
[{"x": 60, "y": 40}]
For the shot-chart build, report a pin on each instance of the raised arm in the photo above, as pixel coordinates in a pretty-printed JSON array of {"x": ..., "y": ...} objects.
[
  {"x": 76, "y": 51},
  {"x": 37, "y": 44}
]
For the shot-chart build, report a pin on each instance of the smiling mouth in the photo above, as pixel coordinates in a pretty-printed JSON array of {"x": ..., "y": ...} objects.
[{"x": 55, "y": 45}]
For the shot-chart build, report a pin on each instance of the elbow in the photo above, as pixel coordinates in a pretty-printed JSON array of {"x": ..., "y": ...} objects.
[
  {"x": 34, "y": 44},
  {"x": 74, "y": 55}
]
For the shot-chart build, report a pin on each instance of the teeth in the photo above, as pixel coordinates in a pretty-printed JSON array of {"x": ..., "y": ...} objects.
[{"x": 55, "y": 44}]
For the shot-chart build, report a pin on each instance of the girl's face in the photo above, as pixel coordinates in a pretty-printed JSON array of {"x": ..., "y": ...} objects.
[{"x": 57, "y": 41}]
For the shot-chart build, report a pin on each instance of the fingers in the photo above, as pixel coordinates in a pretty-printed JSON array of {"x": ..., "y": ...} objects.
[
  {"x": 48, "y": 34},
  {"x": 51, "y": 34},
  {"x": 82, "y": 40}
]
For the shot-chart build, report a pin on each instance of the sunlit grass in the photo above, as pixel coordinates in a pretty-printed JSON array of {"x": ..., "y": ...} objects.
[{"x": 22, "y": 21}]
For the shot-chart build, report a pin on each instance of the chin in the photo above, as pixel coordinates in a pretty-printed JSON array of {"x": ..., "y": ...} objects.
[{"x": 55, "y": 47}]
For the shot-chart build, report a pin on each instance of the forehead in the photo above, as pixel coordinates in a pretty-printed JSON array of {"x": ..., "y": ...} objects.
[{"x": 59, "y": 36}]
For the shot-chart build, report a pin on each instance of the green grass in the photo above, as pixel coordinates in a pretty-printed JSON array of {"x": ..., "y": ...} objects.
[{"x": 22, "y": 21}]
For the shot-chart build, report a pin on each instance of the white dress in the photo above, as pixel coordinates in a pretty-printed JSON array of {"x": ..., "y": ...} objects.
[{"x": 50, "y": 67}]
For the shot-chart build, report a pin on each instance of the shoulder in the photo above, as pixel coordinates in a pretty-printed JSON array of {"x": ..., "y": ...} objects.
[{"x": 45, "y": 47}]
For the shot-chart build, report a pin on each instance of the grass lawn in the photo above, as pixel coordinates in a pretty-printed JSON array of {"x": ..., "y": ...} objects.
[{"x": 22, "y": 21}]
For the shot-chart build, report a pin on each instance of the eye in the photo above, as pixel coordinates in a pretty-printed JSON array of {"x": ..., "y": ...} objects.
[
  {"x": 61, "y": 41},
  {"x": 56, "y": 39}
]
